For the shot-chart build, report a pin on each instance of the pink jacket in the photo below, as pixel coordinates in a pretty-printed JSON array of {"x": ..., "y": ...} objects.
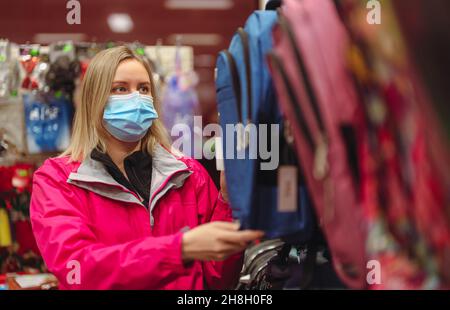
[{"x": 94, "y": 233}]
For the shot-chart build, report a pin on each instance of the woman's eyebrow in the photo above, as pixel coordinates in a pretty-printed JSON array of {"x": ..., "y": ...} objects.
[{"x": 125, "y": 82}]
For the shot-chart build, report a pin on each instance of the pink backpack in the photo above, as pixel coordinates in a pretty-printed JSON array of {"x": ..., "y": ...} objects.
[{"x": 318, "y": 100}]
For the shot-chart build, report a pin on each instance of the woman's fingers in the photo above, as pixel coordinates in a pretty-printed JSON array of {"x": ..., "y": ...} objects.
[
  {"x": 224, "y": 250},
  {"x": 243, "y": 236},
  {"x": 226, "y": 225},
  {"x": 232, "y": 242},
  {"x": 216, "y": 241},
  {"x": 232, "y": 234}
]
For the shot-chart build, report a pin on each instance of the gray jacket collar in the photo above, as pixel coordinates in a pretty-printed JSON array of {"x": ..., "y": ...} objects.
[{"x": 167, "y": 172}]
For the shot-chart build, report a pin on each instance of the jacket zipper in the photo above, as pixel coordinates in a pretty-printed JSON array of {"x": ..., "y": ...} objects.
[
  {"x": 152, "y": 222},
  {"x": 138, "y": 180},
  {"x": 165, "y": 183}
]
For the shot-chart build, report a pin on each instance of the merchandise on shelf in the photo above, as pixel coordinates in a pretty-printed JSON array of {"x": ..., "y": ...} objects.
[
  {"x": 48, "y": 120},
  {"x": 179, "y": 106},
  {"x": 9, "y": 72}
]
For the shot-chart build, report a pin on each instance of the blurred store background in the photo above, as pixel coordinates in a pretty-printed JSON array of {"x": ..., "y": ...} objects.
[{"x": 205, "y": 25}]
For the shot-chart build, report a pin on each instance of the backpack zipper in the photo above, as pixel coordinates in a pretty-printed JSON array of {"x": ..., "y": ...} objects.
[
  {"x": 321, "y": 150},
  {"x": 299, "y": 115},
  {"x": 244, "y": 38},
  {"x": 236, "y": 82}
]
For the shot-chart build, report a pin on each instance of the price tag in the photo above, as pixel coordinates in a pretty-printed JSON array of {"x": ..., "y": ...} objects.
[
  {"x": 219, "y": 154},
  {"x": 287, "y": 189}
]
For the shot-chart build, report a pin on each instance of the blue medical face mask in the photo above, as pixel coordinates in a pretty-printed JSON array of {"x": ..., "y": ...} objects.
[{"x": 128, "y": 117}]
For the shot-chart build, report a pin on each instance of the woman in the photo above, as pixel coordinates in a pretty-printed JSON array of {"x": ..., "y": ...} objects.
[{"x": 119, "y": 209}]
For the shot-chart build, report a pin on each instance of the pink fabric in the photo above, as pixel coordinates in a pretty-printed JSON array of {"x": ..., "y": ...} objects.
[
  {"x": 113, "y": 241},
  {"x": 322, "y": 40}
]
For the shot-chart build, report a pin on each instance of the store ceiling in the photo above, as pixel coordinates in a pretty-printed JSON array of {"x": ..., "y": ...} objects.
[{"x": 206, "y": 24}]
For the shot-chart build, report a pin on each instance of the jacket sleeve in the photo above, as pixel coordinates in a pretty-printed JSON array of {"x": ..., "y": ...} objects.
[
  {"x": 225, "y": 274},
  {"x": 71, "y": 251}
]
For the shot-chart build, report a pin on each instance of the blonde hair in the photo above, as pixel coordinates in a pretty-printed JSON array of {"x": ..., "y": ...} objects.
[{"x": 88, "y": 130}]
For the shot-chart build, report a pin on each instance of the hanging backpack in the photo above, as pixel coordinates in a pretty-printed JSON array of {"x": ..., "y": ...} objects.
[
  {"x": 246, "y": 99},
  {"x": 317, "y": 97}
]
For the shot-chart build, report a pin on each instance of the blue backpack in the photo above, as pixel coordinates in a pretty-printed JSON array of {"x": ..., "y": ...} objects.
[{"x": 246, "y": 97}]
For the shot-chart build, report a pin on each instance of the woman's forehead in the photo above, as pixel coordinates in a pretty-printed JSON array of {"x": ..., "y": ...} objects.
[{"x": 131, "y": 70}]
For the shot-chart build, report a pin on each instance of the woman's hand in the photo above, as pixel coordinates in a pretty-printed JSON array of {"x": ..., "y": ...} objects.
[
  {"x": 223, "y": 186},
  {"x": 216, "y": 241}
]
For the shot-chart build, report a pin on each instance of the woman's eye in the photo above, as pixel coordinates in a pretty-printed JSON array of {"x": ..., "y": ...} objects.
[
  {"x": 119, "y": 89},
  {"x": 144, "y": 90}
]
